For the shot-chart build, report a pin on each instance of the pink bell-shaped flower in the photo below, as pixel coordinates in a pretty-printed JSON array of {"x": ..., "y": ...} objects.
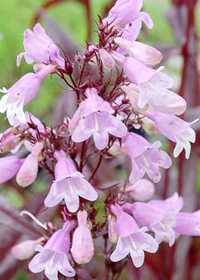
[
  {"x": 69, "y": 184},
  {"x": 21, "y": 93},
  {"x": 146, "y": 158},
  {"x": 40, "y": 48},
  {"x": 97, "y": 121},
  {"x": 132, "y": 239},
  {"x": 52, "y": 258},
  {"x": 175, "y": 129}
]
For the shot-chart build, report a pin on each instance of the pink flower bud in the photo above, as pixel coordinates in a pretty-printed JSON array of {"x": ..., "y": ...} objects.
[
  {"x": 142, "y": 190},
  {"x": 26, "y": 249},
  {"x": 28, "y": 171},
  {"x": 82, "y": 244}
]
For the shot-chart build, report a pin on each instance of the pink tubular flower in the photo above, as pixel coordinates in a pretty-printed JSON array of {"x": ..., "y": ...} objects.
[
  {"x": 175, "y": 129},
  {"x": 188, "y": 223},
  {"x": 159, "y": 216},
  {"x": 152, "y": 85},
  {"x": 132, "y": 239},
  {"x": 21, "y": 93},
  {"x": 69, "y": 184},
  {"x": 9, "y": 166},
  {"x": 82, "y": 244},
  {"x": 156, "y": 219},
  {"x": 40, "y": 48},
  {"x": 53, "y": 256},
  {"x": 29, "y": 169},
  {"x": 132, "y": 21},
  {"x": 97, "y": 120},
  {"x": 145, "y": 158},
  {"x": 155, "y": 91}
]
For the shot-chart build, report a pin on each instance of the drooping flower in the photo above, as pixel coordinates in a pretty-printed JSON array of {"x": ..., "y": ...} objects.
[
  {"x": 152, "y": 86},
  {"x": 69, "y": 184},
  {"x": 188, "y": 223},
  {"x": 146, "y": 158},
  {"x": 82, "y": 243},
  {"x": 159, "y": 216},
  {"x": 175, "y": 129},
  {"x": 156, "y": 93},
  {"x": 9, "y": 166},
  {"x": 40, "y": 48},
  {"x": 97, "y": 120},
  {"x": 53, "y": 256},
  {"x": 21, "y": 93},
  {"x": 132, "y": 239},
  {"x": 131, "y": 22}
]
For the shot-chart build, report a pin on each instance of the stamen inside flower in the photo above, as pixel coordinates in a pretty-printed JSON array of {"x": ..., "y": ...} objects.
[
  {"x": 96, "y": 123},
  {"x": 133, "y": 243},
  {"x": 70, "y": 186},
  {"x": 52, "y": 259},
  {"x": 145, "y": 160}
]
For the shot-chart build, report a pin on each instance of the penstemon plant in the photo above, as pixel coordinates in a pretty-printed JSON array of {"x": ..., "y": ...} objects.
[{"x": 119, "y": 89}]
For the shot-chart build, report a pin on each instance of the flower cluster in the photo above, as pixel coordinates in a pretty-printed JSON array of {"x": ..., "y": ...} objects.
[{"x": 128, "y": 91}]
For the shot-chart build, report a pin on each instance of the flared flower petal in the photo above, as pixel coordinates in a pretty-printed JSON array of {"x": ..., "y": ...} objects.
[
  {"x": 146, "y": 158},
  {"x": 40, "y": 48},
  {"x": 132, "y": 239}
]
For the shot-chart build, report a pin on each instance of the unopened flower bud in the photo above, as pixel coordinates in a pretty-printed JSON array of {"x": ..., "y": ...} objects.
[
  {"x": 112, "y": 230},
  {"x": 28, "y": 171},
  {"x": 26, "y": 249},
  {"x": 82, "y": 244},
  {"x": 142, "y": 190}
]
